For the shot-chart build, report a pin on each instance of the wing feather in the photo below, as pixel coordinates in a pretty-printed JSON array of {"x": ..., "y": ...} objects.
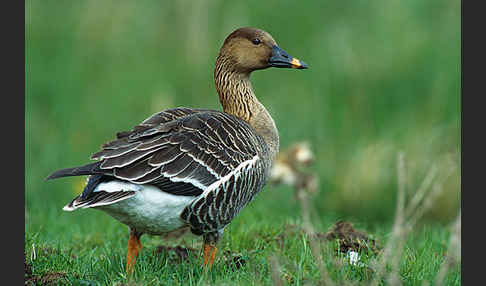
[
  {"x": 165, "y": 156},
  {"x": 177, "y": 166},
  {"x": 182, "y": 151}
]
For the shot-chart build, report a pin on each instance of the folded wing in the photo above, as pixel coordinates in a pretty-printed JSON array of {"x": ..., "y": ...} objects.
[{"x": 182, "y": 151}]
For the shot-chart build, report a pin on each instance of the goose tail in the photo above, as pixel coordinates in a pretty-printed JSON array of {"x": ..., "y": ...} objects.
[{"x": 89, "y": 169}]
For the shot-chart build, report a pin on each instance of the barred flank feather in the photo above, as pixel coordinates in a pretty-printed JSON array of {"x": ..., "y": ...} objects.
[{"x": 224, "y": 199}]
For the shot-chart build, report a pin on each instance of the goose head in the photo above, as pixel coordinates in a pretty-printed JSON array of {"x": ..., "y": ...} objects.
[
  {"x": 244, "y": 51},
  {"x": 251, "y": 49}
]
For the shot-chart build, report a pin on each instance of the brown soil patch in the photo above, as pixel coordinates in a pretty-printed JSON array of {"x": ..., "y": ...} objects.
[
  {"x": 350, "y": 238},
  {"x": 48, "y": 278},
  {"x": 233, "y": 261}
]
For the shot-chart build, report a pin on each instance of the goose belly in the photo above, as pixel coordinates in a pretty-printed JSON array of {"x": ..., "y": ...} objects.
[{"x": 150, "y": 210}]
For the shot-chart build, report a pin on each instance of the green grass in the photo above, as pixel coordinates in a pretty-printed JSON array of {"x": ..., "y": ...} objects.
[
  {"x": 90, "y": 247},
  {"x": 384, "y": 77}
]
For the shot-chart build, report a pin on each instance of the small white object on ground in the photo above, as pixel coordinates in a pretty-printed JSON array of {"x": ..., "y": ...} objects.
[{"x": 353, "y": 257}]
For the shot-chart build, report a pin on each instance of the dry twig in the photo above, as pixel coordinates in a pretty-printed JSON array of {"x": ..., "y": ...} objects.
[
  {"x": 275, "y": 270},
  {"x": 453, "y": 255},
  {"x": 407, "y": 216}
]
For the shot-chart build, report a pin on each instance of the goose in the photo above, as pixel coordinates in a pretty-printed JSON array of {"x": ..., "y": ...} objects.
[{"x": 189, "y": 167}]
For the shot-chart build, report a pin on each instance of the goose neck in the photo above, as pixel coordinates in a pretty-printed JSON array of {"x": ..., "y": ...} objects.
[{"x": 237, "y": 98}]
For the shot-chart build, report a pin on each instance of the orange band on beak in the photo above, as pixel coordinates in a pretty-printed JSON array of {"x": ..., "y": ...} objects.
[{"x": 295, "y": 63}]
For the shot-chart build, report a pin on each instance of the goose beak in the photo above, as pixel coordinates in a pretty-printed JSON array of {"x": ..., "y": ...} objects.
[{"x": 280, "y": 59}]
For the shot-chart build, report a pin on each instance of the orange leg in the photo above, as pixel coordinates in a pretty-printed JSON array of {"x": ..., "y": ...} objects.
[
  {"x": 209, "y": 254},
  {"x": 134, "y": 247}
]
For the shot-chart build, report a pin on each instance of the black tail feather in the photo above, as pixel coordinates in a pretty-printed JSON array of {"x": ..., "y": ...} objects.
[{"x": 89, "y": 169}]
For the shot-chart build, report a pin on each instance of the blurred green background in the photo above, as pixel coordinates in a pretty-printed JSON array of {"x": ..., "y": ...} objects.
[{"x": 385, "y": 76}]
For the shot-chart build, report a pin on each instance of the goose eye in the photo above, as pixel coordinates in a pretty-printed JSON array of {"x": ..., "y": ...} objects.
[{"x": 256, "y": 41}]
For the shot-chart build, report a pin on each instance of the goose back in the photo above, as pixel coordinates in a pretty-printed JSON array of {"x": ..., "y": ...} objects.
[{"x": 191, "y": 152}]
